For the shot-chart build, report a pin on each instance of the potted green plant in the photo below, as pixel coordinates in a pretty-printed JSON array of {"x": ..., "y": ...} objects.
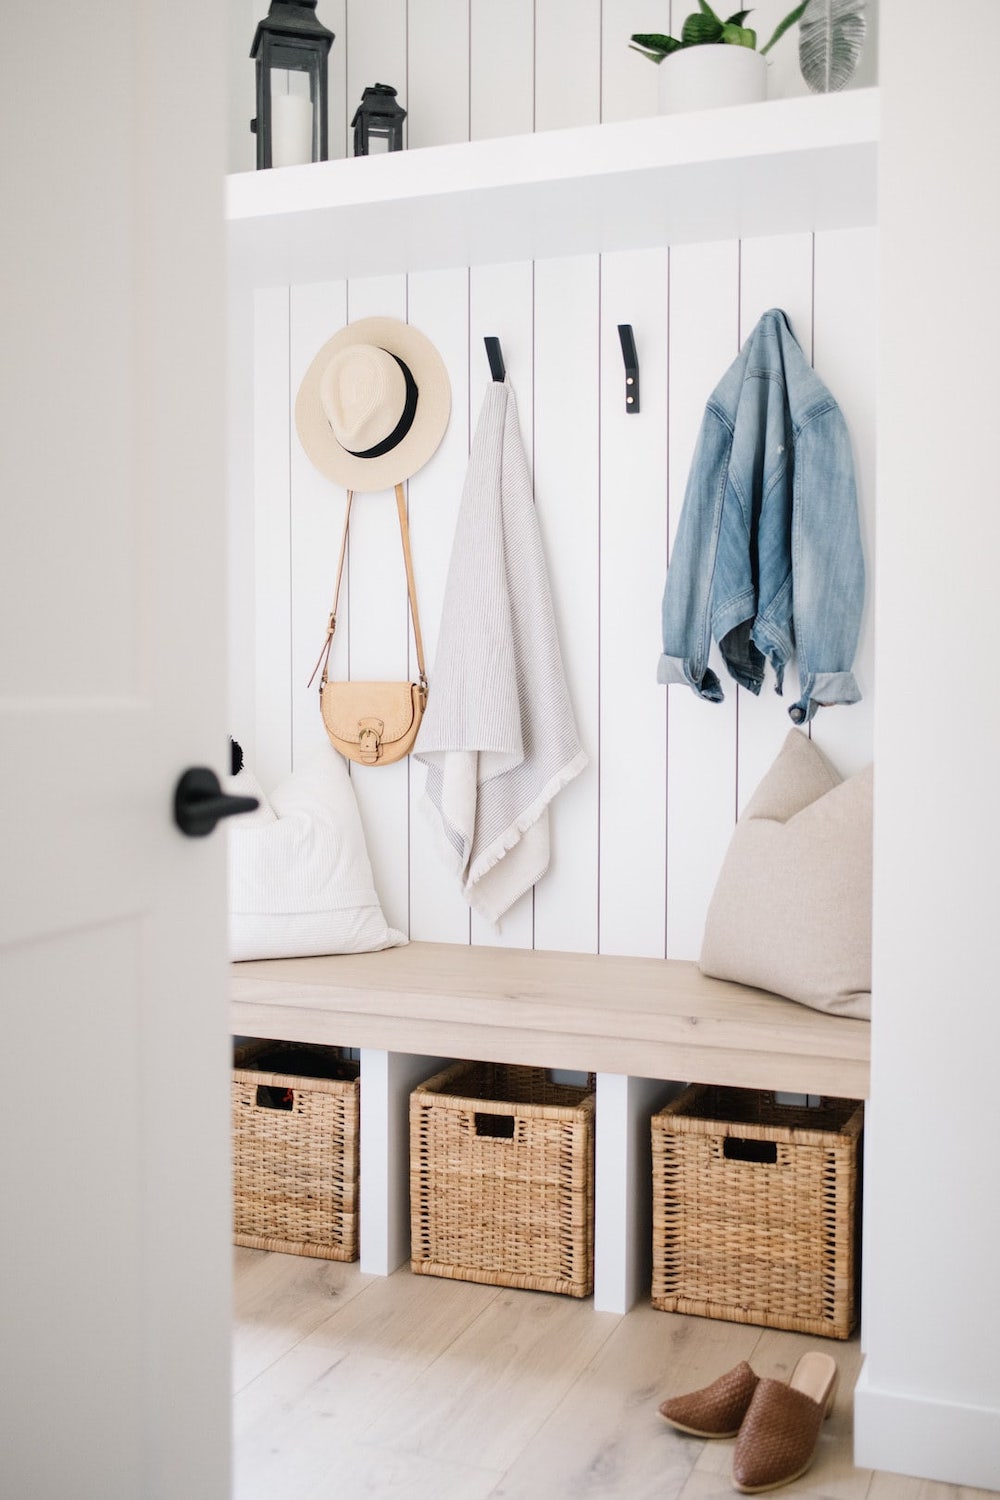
[
  {"x": 716, "y": 61},
  {"x": 713, "y": 62}
]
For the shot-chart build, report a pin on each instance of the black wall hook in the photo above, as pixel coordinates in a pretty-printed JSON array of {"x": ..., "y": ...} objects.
[
  {"x": 631, "y": 367},
  {"x": 495, "y": 358}
]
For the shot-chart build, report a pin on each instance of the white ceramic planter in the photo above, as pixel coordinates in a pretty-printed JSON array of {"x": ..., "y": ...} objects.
[{"x": 709, "y": 77}]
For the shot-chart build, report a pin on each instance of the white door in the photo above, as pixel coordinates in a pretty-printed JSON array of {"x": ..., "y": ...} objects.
[{"x": 114, "y": 1206}]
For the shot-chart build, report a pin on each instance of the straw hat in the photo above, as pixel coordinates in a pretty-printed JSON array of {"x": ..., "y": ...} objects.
[{"x": 374, "y": 404}]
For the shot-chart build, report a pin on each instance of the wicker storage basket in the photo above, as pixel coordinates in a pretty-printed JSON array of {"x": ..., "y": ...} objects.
[
  {"x": 755, "y": 1209},
  {"x": 295, "y": 1115},
  {"x": 502, "y": 1178}
]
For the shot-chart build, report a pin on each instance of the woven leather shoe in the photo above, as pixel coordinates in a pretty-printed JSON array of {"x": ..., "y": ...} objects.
[
  {"x": 716, "y": 1410},
  {"x": 777, "y": 1441}
]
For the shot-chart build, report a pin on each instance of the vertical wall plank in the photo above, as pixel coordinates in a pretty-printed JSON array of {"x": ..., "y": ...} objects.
[
  {"x": 272, "y": 737},
  {"x": 784, "y": 80},
  {"x": 629, "y": 81},
  {"x": 701, "y": 737},
  {"x": 316, "y": 314},
  {"x": 438, "y": 72},
  {"x": 438, "y": 306},
  {"x": 567, "y": 466},
  {"x": 775, "y": 271},
  {"x": 501, "y": 304},
  {"x": 567, "y": 63},
  {"x": 502, "y": 75},
  {"x": 334, "y": 17},
  {"x": 379, "y": 642},
  {"x": 633, "y": 548},
  {"x": 846, "y": 354},
  {"x": 376, "y": 48}
]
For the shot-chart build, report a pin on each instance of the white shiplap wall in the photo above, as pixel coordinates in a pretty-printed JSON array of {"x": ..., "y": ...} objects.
[{"x": 638, "y": 838}]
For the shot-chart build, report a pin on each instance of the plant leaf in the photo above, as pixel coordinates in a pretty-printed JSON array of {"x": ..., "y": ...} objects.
[
  {"x": 739, "y": 36},
  {"x": 783, "y": 26},
  {"x": 707, "y": 10},
  {"x": 738, "y": 18},
  {"x": 831, "y": 37},
  {"x": 700, "y": 29},
  {"x": 654, "y": 45}
]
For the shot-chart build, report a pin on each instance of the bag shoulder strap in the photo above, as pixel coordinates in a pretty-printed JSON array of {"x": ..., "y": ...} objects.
[
  {"x": 404, "y": 531},
  {"x": 411, "y": 587}
]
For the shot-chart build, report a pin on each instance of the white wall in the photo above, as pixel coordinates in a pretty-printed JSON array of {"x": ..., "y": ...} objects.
[
  {"x": 635, "y": 853},
  {"x": 929, "y": 1401},
  {"x": 638, "y": 839}
]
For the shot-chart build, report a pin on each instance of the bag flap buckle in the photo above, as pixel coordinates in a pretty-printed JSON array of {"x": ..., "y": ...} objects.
[{"x": 370, "y": 733}]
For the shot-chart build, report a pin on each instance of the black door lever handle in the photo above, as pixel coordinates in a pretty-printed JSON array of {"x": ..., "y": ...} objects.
[{"x": 199, "y": 802}]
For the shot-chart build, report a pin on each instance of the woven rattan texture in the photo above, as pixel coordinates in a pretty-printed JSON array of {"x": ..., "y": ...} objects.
[
  {"x": 773, "y": 1241},
  {"x": 502, "y": 1178},
  {"x": 295, "y": 1170}
]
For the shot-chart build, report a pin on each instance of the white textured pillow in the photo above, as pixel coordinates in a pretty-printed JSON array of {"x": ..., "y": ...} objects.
[
  {"x": 792, "y": 910},
  {"x": 300, "y": 881}
]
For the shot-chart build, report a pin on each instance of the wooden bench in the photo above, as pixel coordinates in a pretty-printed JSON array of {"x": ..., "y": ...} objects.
[{"x": 643, "y": 1025}]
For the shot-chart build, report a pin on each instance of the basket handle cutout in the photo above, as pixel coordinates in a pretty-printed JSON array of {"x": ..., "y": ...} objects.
[
  {"x": 499, "y": 1126},
  {"x": 271, "y": 1096},
  {"x": 736, "y": 1148}
]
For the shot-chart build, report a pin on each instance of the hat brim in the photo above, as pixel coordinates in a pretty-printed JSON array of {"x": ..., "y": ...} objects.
[{"x": 429, "y": 422}]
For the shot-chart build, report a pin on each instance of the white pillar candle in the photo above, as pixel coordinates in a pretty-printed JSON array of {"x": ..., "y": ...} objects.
[{"x": 291, "y": 130}]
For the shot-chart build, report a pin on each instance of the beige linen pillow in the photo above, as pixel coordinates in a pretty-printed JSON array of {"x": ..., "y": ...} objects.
[{"x": 792, "y": 910}]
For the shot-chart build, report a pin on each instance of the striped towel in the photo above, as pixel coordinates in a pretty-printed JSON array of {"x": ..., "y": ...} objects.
[{"x": 499, "y": 738}]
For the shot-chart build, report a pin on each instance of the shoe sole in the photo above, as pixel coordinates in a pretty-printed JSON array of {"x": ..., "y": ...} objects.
[
  {"x": 697, "y": 1432},
  {"x": 775, "y": 1484}
]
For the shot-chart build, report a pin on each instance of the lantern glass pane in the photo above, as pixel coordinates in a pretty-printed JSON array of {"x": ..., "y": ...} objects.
[
  {"x": 291, "y": 119},
  {"x": 286, "y": 81}
]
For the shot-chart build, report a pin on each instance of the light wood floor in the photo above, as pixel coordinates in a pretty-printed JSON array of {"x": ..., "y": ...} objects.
[{"x": 415, "y": 1388}]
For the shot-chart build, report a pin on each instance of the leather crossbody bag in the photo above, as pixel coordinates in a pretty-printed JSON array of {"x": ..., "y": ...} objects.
[{"x": 373, "y": 723}]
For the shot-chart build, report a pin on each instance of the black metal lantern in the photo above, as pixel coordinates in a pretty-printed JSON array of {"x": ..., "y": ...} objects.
[
  {"x": 378, "y": 122},
  {"x": 291, "y": 48}
]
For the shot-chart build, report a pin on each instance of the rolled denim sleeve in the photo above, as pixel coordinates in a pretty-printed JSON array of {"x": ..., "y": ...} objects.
[
  {"x": 673, "y": 669},
  {"x": 828, "y": 570}
]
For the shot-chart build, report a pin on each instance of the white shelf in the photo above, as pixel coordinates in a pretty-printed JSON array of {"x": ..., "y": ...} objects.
[{"x": 787, "y": 165}]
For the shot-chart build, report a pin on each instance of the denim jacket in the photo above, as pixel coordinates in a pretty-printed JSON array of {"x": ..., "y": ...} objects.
[{"x": 767, "y": 557}]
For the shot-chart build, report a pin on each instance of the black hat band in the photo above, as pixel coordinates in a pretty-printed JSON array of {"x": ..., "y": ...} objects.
[{"x": 405, "y": 422}]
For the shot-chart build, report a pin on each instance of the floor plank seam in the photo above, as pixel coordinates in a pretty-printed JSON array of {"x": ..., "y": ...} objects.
[
  {"x": 576, "y": 1381},
  {"x": 296, "y": 1343}
]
